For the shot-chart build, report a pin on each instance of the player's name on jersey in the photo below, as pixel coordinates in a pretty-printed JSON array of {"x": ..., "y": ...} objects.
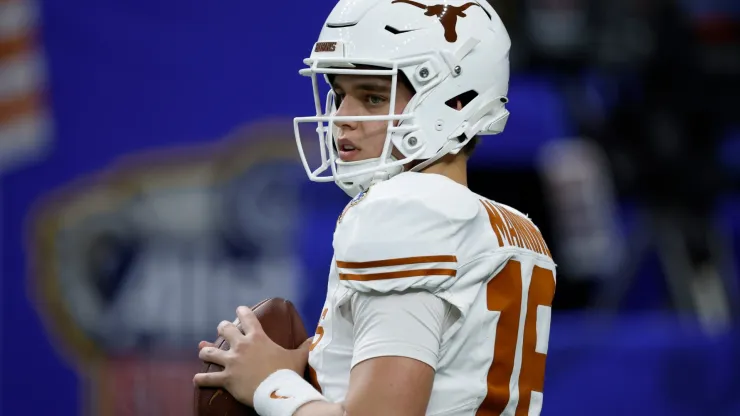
[{"x": 513, "y": 230}]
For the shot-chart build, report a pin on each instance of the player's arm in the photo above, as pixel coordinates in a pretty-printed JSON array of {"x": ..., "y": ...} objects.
[
  {"x": 398, "y": 256},
  {"x": 381, "y": 386},
  {"x": 396, "y": 350}
]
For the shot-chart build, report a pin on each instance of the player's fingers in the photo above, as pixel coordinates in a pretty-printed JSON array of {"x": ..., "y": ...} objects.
[
  {"x": 213, "y": 355},
  {"x": 229, "y": 332},
  {"x": 248, "y": 319},
  {"x": 210, "y": 379},
  {"x": 205, "y": 344}
]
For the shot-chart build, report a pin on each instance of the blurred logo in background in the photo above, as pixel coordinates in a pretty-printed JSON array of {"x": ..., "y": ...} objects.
[
  {"x": 24, "y": 119},
  {"x": 135, "y": 265}
]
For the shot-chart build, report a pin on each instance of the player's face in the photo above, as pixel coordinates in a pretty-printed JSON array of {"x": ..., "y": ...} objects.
[{"x": 361, "y": 95}]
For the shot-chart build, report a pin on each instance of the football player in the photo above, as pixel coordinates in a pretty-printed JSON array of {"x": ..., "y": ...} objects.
[{"x": 438, "y": 299}]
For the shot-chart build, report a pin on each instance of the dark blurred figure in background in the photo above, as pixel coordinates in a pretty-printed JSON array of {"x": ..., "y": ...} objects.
[
  {"x": 651, "y": 88},
  {"x": 662, "y": 136}
]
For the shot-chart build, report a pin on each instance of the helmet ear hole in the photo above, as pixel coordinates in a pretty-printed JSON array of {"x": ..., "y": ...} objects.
[{"x": 461, "y": 100}]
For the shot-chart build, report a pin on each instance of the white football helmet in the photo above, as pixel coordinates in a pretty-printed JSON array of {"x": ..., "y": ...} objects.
[{"x": 445, "y": 48}]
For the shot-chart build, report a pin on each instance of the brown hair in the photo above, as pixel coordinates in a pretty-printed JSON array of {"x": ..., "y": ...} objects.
[{"x": 469, "y": 148}]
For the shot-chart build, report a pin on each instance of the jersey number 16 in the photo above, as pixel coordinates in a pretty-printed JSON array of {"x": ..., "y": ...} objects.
[{"x": 519, "y": 340}]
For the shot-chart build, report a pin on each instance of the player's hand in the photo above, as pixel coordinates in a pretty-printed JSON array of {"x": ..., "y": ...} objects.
[
  {"x": 205, "y": 344},
  {"x": 251, "y": 358}
]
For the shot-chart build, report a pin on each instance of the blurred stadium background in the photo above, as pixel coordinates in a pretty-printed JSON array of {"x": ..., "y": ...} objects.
[{"x": 150, "y": 184}]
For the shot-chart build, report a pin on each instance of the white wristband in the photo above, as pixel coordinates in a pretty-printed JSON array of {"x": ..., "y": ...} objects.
[{"x": 282, "y": 393}]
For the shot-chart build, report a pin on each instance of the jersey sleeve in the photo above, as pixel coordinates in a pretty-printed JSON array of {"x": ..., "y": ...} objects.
[
  {"x": 397, "y": 244},
  {"x": 401, "y": 325}
]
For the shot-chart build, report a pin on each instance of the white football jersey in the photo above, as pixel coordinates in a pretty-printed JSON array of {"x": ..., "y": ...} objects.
[{"x": 424, "y": 232}]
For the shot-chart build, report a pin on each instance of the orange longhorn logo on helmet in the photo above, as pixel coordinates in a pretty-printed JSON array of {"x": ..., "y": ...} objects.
[{"x": 446, "y": 14}]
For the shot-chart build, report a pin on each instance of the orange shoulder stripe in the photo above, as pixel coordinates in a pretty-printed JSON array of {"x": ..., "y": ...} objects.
[
  {"x": 403, "y": 261},
  {"x": 398, "y": 274}
]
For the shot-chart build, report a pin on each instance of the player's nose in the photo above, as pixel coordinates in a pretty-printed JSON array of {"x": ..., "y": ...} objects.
[{"x": 346, "y": 109}]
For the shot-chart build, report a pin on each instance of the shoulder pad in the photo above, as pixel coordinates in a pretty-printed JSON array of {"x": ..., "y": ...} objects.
[{"x": 403, "y": 234}]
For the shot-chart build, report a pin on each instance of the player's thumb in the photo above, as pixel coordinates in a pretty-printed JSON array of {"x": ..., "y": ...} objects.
[
  {"x": 306, "y": 345},
  {"x": 302, "y": 351},
  {"x": 300, "y": 355}
]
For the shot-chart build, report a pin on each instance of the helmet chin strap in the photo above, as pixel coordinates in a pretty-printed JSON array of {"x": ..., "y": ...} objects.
[
  {"x": 379, "y": 176},
  {"x": 362, "y": 182},
  {"x": 452, "y": 146}
]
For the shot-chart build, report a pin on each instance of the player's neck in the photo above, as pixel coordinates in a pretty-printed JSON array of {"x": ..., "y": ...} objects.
[{"x": 454, "y": 167}]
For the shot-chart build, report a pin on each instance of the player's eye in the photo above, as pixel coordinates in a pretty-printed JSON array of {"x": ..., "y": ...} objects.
[{"x": 375, "y": 99}]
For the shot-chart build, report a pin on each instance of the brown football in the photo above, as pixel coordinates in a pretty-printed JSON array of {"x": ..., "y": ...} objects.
[{"x": 282, "y": 323}]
